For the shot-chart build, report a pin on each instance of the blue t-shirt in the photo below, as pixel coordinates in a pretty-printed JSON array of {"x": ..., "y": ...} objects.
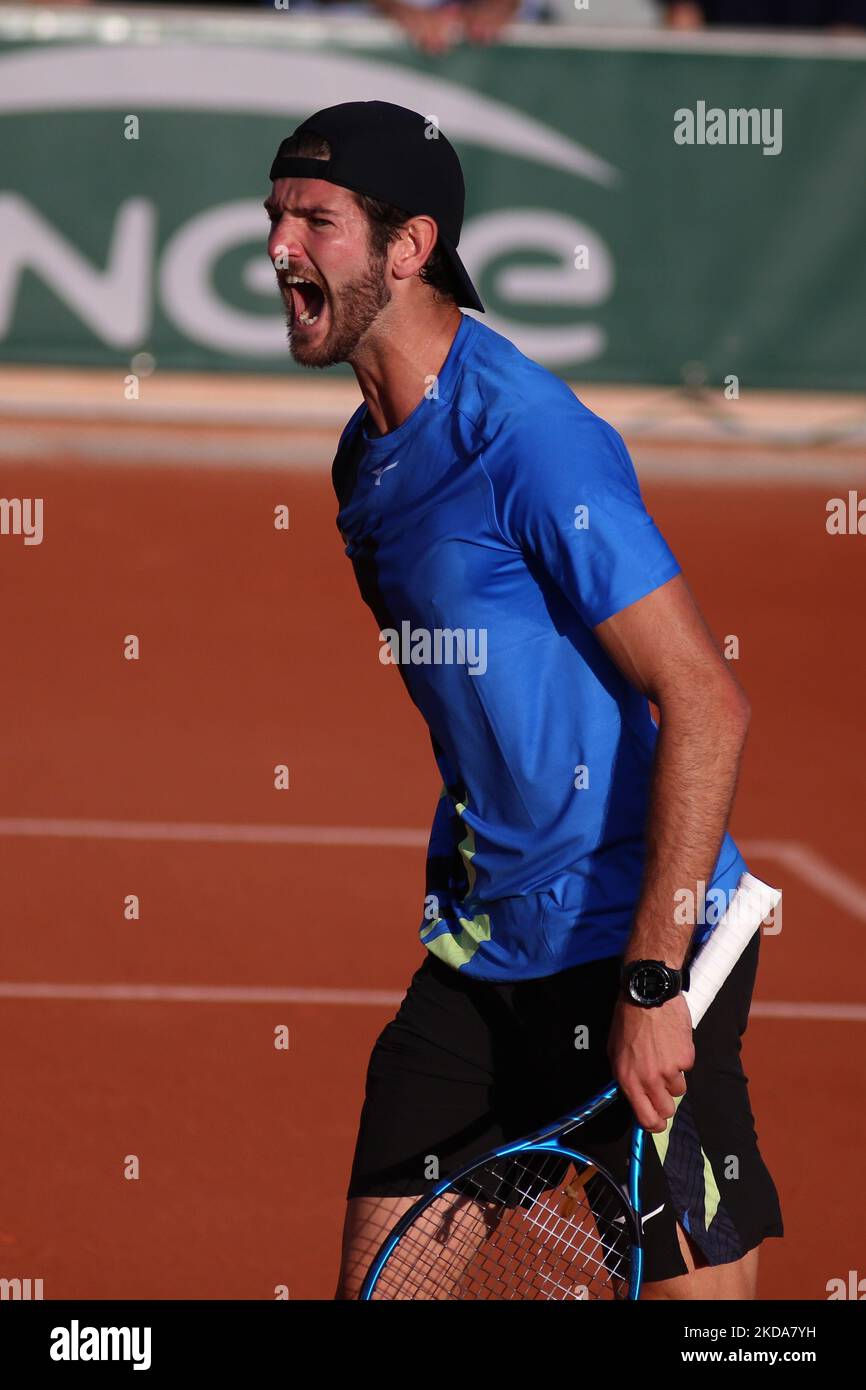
[{"x": 490, "y": 533}]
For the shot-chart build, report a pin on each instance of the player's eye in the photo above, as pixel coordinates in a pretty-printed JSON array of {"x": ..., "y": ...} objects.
[{"x": 321, "y": 222}]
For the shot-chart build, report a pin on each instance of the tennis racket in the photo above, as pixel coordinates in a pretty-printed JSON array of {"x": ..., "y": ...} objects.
[{"x": 540, "y": 1218}]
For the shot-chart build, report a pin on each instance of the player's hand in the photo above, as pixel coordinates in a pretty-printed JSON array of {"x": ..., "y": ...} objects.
[{"x": 650, "y": 1050}]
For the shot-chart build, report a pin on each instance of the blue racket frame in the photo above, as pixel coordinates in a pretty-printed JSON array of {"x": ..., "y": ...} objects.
[{"x": 550, "y": 1139}]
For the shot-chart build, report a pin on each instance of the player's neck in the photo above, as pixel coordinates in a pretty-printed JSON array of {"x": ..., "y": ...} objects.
[{"x": 395, "y": 368}]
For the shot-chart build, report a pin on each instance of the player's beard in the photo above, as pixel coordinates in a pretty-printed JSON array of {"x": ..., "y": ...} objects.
[{"x": 352, "y": 314}]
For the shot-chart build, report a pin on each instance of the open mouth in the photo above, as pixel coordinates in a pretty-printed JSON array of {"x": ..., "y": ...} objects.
[{"x": 307, "y": 299}]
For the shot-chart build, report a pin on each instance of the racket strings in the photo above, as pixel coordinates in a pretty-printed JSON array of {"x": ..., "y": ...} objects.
[{"x": 529, "y": 1226}]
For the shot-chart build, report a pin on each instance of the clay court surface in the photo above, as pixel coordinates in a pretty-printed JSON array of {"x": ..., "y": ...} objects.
[{"x": 300, "y": 907}]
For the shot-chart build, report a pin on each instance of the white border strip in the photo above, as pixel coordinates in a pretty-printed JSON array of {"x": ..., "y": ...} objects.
[
  {"x": 300, "y": 450},
  {"x": 758, "y": 42}
]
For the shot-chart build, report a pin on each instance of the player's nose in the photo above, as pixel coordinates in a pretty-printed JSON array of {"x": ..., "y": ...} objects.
[{"x": 284, "y": 245}]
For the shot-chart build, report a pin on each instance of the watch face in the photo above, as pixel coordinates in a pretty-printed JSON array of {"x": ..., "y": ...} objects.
[{"x": 649, "y": 984}]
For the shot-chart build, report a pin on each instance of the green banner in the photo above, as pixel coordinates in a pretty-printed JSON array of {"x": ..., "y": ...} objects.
[{"x": 633, "y": 214}]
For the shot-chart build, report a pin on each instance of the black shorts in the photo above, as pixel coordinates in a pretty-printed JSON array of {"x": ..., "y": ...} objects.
[{"x": 467, "y": 1065}]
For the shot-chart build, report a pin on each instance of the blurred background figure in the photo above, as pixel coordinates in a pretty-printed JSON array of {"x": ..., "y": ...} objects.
[
  {"x": 436, "y": 27},
  {"x": 838, "y": 15}
]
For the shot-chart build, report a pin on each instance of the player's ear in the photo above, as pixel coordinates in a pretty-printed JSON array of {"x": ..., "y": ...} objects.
[{"x": 412, "y": 248}]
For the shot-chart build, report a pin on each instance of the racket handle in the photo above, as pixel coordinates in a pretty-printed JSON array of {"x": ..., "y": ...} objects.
[{"x": 750, "y": 903}]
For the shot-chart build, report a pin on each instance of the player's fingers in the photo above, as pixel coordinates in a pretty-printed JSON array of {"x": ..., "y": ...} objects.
[
  {"x": 645, "y": 1112},
  {"x": 676, "y": 1083},
  {"x": 661, "y": 1100}
]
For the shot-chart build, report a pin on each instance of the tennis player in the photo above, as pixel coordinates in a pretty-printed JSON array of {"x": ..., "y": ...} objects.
[{"x": 498, "y": 534}]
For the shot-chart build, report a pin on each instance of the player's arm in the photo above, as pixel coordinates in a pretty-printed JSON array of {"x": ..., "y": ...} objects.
[
  {"x": 568, "y": 496},
  {"x": 663, "y": 648}
]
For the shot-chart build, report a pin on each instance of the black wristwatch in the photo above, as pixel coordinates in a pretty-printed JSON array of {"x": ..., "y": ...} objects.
[{"x": 651, "y": 983}]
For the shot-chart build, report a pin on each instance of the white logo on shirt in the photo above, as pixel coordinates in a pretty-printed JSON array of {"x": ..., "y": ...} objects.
[{"x": 377, "y": 472}]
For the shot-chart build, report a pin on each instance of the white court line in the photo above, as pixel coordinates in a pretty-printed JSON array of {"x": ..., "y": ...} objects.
[
  {"x": 379, "y": 998},
  {"x": 799, "y": 859},
  {"x": 779, "y": 1008},
  {"x": 198, "y": 994},
  {"x": 291, "y": 454},
  {"x": 295, "y": 452},
  {"x": 208, "y": 833},
  {"x": 815, "y": 871}
]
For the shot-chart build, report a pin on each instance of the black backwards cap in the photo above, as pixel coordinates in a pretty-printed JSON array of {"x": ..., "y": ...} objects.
[{"x": 386, "y": 152}]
